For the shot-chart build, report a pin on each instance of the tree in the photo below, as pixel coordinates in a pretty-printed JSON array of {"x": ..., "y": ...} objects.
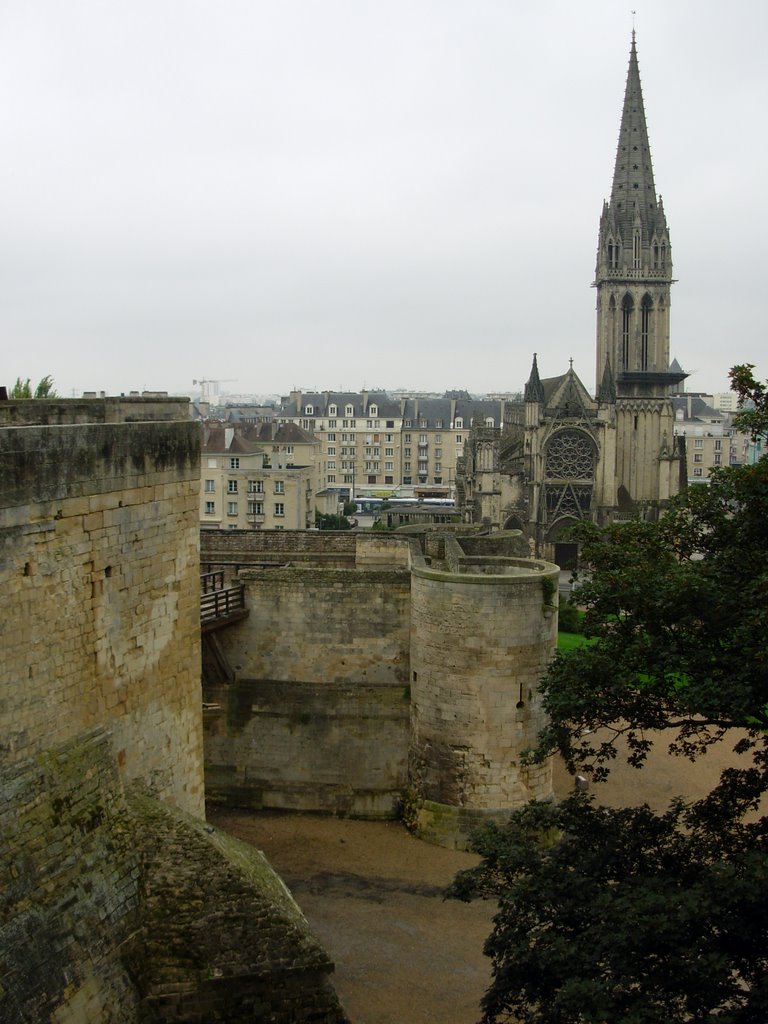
[
  {"x": 331, "y": 522},
  {"x": 629, "y": 916},
  {"x": 23, "y": 388}
]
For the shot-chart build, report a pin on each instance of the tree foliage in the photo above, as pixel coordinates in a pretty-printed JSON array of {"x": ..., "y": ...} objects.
[
  {"x": 626, "y": 916},
  {"x": 330, "y": 521},
  {"x": 23, "y": 388}
]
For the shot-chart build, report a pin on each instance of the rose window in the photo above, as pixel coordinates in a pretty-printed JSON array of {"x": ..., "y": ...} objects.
[{"x": 570, "y": 456}]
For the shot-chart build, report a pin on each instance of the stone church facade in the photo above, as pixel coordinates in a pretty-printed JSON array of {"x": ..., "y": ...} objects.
[{"x": 562, "y": 456}]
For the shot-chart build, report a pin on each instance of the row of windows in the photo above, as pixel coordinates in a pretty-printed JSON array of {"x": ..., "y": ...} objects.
[
  {"x": 254, "y": 508},
  {"x": 254, "y": 486}
]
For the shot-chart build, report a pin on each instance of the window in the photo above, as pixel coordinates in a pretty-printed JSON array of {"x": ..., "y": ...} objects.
[
  {"x": 371, "y": 479},
  {"x": 423, "y": 424},
  {"x": 279, "y": 508},
  {"x": 407, "y": 468},
  {"x": 210, "y": 486},
  {"x": 231, "y": 508},
  {"x": 717, "y": 458},
  {"x": 407, "y": 480},
  {"x": 374, "y": 410},
  {"x": 459, "y": 439},
  {"x": 255, "y": 508},
  {"x": 332, "y": 424},
  {"x": 438, "y": 453},
  {"x": 231, "y": 486},
  {"x": 698, "y": 457},
  {"x": 389, "y": 451},
  {"x": 234, "y": 463},
  {"x": 698, "y": 471},
  {"x": 331, "y": 478},
  {"x": 459, "y": 424},
  {"x": 646, "y": 307},
  {"x": 407, "y": 438},
  {"x": 348, "y": 478},
  {"x": 389, "y": 465},
  {"x": 698, "y": 443},
  {"x": 627, "y": 306},
  {"x": 388, "y": 480},
  {"x": 390, "y": 423},
  {"x": 332, "y": 410},
  {"x": 718, "y": 445},
  {"x": 389, "y": 438},
  {"x": 369, "y": 424},
  {"x": 332, "y": 464},
  {"x": 331, "y": 449},
  {"x": 309, "y": 410},
  {"x": 439, "y": 437},
  {"x": 438, "y": 467},
  {"x": 332, "y": 437},
  {"x": 279, "y": 486},
  {"x": 422, "y": 438},
  {"x": 407, "y": 453},
  {"x": 406, "y": 423},
  {"x": 255, "y": 486},
  {"x": 349, "y": 410},
  {"x": 210, "y": 508},
  {"x": 439, "y": 425}
]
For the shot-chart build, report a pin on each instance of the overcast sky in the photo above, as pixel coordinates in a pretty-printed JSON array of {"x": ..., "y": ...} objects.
[{"x": 349, "y": 193}]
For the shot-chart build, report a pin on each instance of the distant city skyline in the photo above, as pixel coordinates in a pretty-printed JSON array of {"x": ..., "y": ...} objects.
[{"x": 295, "y": 195}]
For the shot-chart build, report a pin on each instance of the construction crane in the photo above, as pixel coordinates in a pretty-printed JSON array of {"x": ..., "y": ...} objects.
[{"x": 205, "y": 386}]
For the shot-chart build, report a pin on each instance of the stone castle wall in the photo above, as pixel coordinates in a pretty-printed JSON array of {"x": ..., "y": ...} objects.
[
  {"x": 99, "y": 569},
  {"x": 115, "y": 904},
  {"x": 339, "y": 674},
  {"x": 475, "y": 704},
  {"x": 318, "y": 716},
  {"x": 117, "y": 908}
]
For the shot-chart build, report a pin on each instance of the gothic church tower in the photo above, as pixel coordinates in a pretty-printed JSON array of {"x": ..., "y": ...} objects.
[{"x": 633, "y": 281}]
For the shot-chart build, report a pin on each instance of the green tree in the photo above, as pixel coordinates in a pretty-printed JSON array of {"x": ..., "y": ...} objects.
[
  {"x": 629, "y": 916},
  {"x": 23, "y": 388},
  {"x": 331, "y": 522}
]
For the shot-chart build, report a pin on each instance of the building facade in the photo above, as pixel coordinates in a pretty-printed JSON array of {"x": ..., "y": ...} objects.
[
  {"x": 378, "y": 445},
  {"x": 258, "y": 477}
]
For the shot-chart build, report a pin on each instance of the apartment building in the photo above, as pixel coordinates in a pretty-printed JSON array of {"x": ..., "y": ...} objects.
[
  {"x": 375, "y": 444},
  {"x": 255, "y": 478},
  {"x": 711, "y": 440}
]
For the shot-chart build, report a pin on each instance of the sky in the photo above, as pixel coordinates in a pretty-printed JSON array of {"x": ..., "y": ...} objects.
[{"x": 339, "y": 194}]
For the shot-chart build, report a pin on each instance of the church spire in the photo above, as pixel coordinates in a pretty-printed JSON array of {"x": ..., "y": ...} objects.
[
  {"x": 634, "y": 256},
  {"x": 633, "y": 195},
  {"x": 534, "y": 390}
]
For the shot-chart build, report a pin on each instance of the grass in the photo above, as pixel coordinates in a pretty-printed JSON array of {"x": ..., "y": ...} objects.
[{"x": 569, "y": 641}]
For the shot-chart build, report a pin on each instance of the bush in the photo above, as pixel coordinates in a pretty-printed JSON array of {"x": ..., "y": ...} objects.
[{"x": 569, "y": 618}]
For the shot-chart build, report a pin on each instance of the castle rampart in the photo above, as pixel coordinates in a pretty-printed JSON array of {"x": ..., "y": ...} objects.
[
  {"x": 380, "y": 650},
  {"x": 99, "y": 568},
  {"x": 114, "y": 903}
]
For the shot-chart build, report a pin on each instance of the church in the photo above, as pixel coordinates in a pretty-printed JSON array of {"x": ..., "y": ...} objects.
[{"x": 562, "y": 456}]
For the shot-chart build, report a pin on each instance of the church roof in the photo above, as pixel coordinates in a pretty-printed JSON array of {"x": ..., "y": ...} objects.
[{"x": 633, "y": 193}]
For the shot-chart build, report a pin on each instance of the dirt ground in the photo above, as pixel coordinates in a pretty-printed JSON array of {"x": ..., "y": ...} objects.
[{"x": 373, "y": 896}]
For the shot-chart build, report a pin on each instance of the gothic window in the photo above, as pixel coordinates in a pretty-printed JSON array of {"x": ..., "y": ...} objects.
[
  {"x": 636, "y": 250},
  {"x": 646, "y": 310},
  {"x": 567, "y": 501},
  {"x": 663, "y": 255},
  {"x": 570, "y": 455},
  {"x": 627, "y": 306}
]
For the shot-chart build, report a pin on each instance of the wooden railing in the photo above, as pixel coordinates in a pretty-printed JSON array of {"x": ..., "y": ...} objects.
[{"x": 221, "y": 604}]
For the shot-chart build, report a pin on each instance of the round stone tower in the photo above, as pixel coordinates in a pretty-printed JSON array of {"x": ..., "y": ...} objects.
[{"x": 483, "y": 630}]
